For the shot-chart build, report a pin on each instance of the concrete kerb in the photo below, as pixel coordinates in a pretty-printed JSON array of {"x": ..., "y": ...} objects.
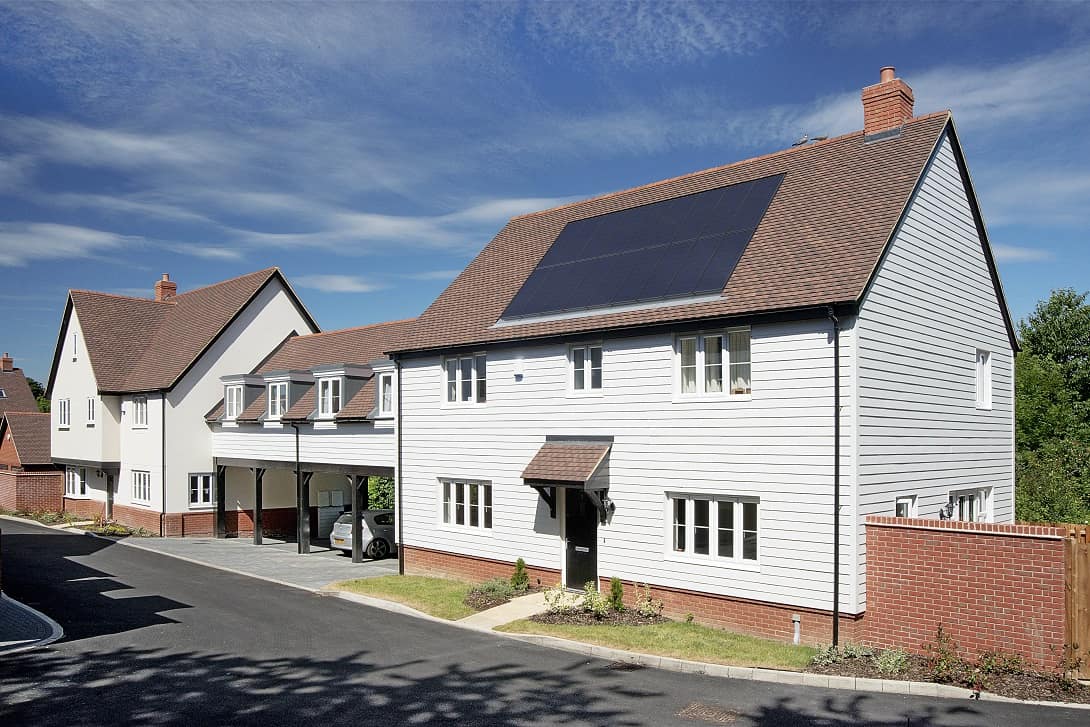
[
  {"x": 55, "y": 629},
  {"x": 859, "y": 684}
]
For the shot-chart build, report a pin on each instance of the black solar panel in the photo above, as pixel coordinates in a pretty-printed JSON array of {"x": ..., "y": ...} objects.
[{"x": 676, "y": 248}]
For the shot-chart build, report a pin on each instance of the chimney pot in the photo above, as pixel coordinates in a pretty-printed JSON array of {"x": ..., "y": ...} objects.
[
  {"x": 888, "y": 74},
  {"x": 165, "y": 289},
  {"x": 887, "y": 105}
]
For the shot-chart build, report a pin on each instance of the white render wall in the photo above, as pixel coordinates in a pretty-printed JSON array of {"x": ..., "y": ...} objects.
[
  {"x": 777, "y": 446},
  {"x": 261, "y": 327},
  {"x": 932, "y": 305},
  {"x": 75, "y": 381},
  {"x": 141, "y": 449}
]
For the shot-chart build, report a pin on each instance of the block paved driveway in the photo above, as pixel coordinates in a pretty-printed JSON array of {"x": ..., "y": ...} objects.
[{"x": 152, "y": 640}]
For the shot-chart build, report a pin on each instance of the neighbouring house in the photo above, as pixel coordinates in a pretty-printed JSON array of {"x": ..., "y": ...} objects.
[
  {"x": 132, "y": 379},
  {"x": 708, "y": 383},
  {"x": 296, "y": 436},
  {"x": 28, "y": 480}
]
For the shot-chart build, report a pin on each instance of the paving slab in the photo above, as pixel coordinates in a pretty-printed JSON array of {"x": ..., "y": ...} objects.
[{"x": 513, "y": 610}]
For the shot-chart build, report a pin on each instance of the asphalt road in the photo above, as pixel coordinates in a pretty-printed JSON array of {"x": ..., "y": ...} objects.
[{"x": 151, "y": 640}]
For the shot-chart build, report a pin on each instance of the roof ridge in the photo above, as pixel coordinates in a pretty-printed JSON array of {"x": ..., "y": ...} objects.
[
  {"x": 268, "y": 270},
  {"x": 709, "y": 170},
  {"x": 351, "y": 329},
  {"x": 118, "y": 295}
]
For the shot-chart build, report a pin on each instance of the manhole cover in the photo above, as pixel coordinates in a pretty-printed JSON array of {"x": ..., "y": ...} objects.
[
  {"x": 625, "y": 666},
  {"x": 708, "y": 713}
]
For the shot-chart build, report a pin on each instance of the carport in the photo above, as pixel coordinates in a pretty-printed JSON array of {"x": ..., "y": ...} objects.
[{"x": 356, "y": 476}]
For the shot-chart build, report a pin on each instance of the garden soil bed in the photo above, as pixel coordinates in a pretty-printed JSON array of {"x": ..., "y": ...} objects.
[
  {"x": 583, "y": 618},
  {"x": 1031, "y": 686},
  {"x": 482, "y": 602}
]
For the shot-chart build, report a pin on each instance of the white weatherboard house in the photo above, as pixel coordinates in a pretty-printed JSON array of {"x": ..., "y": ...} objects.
[
  {"x": 294, "y": 436},
  {"x": 643, "y": 385},
  {"x": 132, "y": 380}
]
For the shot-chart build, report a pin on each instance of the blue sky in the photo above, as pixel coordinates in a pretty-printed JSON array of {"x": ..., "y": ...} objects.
[{"x": 370, "y": 150}]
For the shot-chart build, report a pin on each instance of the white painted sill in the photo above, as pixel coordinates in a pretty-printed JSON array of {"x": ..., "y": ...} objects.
[
  {"x": 466, "y": 529},
  {"x": 751, "y": 566},
  {"x": 705, "y": 398}
]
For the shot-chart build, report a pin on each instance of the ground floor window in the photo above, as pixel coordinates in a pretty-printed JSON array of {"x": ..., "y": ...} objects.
[
  {"x": 714, "y": 526},
  {"x": 467, "y": 503},
  {"x": 972, "y": 506},
  {"x": 75, "y": 481},
  {"x": 141, "y": 486},
  {"x": 200, "y": 490}
]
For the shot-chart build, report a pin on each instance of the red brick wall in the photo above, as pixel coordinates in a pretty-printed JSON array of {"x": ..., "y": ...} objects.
[
  {"x": 8, "y": 454},
  {"x": 31, "y": 491},
  {"x": 426, "y": 562},
  {"x": 275, "y": 521},
  {"x": 87, "y": 509},
  {"x": 990, "y": 586},
  {"x": 138, "y": 517}
]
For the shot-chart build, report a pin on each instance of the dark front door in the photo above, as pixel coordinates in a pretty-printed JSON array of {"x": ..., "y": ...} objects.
[{"x": 581, "y": 535}]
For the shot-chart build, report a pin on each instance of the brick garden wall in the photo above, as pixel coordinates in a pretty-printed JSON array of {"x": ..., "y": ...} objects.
[
  {"x": 84, "y": 509},
  {"x": 990, "y": 586},
  {"x": 31, "y": 491}
]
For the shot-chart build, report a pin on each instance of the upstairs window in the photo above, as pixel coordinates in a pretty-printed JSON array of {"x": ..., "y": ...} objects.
[
  {"x": 714, "y": 527},
  {"x": 466, "y": 379},
  {"x": 64, "y": 413},
  {"x": 140, "y": 411},
  {"x": 91, "y": 411},
  {"x": 714, "y": 363},
  {"x": 586, "y": 366},
  {"x": 232, "y": 402},
  {"x": 983, "y": 379},
  {"x": 329, "y": 397},
  {"x": 385, "y": 395},
  {"x": 278, "y": 399}
]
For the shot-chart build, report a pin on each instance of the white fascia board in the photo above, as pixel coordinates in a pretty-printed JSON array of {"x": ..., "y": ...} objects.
[
  {"x": 245, "y": 379},
  {"x": 293, "y": 375},
  {"x": 355, "y": 371}
]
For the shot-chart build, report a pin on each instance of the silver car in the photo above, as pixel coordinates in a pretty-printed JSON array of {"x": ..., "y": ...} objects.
[{"x": 377, "y": 530}]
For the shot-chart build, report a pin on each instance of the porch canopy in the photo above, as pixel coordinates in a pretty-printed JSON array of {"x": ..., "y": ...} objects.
[{"x": 574, "y": 463}]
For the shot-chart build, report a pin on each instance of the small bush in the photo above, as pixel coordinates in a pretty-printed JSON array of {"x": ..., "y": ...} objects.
[
  {"x": 997, "y": 663},
  {"x": 616, "y": 594},
  {"x": 594, "y": 601},
  {"x": 520, "y": 580},
  {"x": 891, "y": 662},
  {"x": 496, "y": 588},
  {"x": 826, "y": 656},
  {"x": 944, "y": 663},
  {"x": 558, "y": 600},
  {"x": 855, "y": 651},
  {"x": 689, "y": 618},
  {"x": 647, "y": 606}
]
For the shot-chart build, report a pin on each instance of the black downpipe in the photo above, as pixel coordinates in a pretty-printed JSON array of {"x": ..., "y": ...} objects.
[
  {"x": 398, "y": 510},
  {"x": 836, "y": 476}
]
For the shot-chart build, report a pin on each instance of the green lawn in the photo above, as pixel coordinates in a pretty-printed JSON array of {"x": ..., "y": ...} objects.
[
  {"x": 680, "y": 641},
  {"x": 441, "y": 597}
]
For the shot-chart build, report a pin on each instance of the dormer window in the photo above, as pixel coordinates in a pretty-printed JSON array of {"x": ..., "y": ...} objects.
[
  {"x": 278, "y": 399},
  {"x": 232, "y": 402},
  {"x": 329, "y": 397},
  {"x": 386, "y": 395}
]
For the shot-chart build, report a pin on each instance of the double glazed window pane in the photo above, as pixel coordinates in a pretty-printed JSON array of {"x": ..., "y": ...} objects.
[
  {"x": 679, "y": 525},
  {"x": 701, "y": 526},
  {"x": 481, "y": 378},
  {"x": 749, "y": 531},
  {"x": 459, "y": 504},
  {"x": 446, "y": 502},
  {"x": 579, "y": 368},
  {"x": 713, "y": 364},
  {"x": 688, "y": 365},
  {"x": 726, "y": 529},
  {"x": 467, "y": 378},
  {"x": 452, "y": 379},
  {"x": 474, "y": 502},
  {"x": 387, "y": 394},
  {"x": 487, "y": 505},
  {"x": 739, "y": 363}
]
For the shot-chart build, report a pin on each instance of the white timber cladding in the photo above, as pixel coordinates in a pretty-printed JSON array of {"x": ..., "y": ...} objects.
[
  {"x": 932, "y": 307},
  {"x": 773, "y": 446},
  {"x": 351, "y": 443}
]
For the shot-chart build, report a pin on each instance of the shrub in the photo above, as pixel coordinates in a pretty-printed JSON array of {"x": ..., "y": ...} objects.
[
  {"x": 616, "y": 594},
  {"x": 856, "y": 651},
  {"x": 520, "y": 580},
  {"x": 647, "y": 606},
  {"x": 558, "y": 600},
  {"x": 826, "y": 656},
  {"x": 496, "y": 588},
  {"x": 689, "y": 618},
  {"x": 891, "y": 662},
  {"x": 594, "y": 601},
  {"x": 997, "y": 662},
  {"x": 944, "y": 663}
]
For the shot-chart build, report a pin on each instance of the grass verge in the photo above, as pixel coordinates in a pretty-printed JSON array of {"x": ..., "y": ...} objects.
[
  {"x": 44, "y": 517},
  {"x": 678, "y": 640},
  {"x": 441, "y": 597}
]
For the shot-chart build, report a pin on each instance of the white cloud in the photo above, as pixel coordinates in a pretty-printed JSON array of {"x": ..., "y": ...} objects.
[
  {"x": 1020, "y": 193},
  {"x": 1018, "y": 254},
  {"x": 433, "y": 275},
  {"x": 25, "y": 242},
  {"x": 337, "y": 283},
  {"x": 209, "y": 252}
]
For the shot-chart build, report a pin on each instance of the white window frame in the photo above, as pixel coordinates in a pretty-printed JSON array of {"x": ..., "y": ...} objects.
[
  {"x": 202, "y": 501},
  {"x": 458, "y": 510},
  {"x": 140, "y": 412},
  {"x": 75, "y": 346},
  {"x": 232, "y": 402},
  {"x": 64, "y": 413},
  {"x": 75, "y": 482},
  {"x": 3, "y": 394},
  {"x": 703, "y": 364},
  {"x": 92, "y": 411},
  {"x": 330, "y": 394},
  {"x": 386, "y": 407},
  {"x": 465, "y": 379},
  {"x": 688, "y": 553},
  {"x": 909, "y": 503},
  {"x": 983, "y": 379},
  {"x": 277, "y": 405},
  {"x": 979, "y": 499},
  {"x": 141, "y": 487},
  {"x": 585, "y": 351}
]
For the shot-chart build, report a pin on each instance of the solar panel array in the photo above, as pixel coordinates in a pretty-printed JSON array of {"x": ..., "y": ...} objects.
[{"x": 678, "y": 248}]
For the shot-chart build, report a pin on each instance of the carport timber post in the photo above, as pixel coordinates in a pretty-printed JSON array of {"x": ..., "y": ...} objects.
[
  {"x": 221, "y": 500},
  {"x": 354, "y": 484},
  {"x": 259, "y": 474}
]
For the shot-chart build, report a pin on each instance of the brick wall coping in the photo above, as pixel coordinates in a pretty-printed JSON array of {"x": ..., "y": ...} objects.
[{"x": 1048, "y": 532}]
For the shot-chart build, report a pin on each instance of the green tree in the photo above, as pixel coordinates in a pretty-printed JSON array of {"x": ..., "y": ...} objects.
[
  {"x": 1059, "y": 328},
  {"x": 39, "y": 394},
  {"x": 380, "y": 493}
]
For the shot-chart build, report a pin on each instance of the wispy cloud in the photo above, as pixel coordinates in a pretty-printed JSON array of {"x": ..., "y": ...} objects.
[
  {"x": 1020, "y": 254},
  {"x": 433, "y": 275},
  {"x": 337, "y": 283},
  {"x": 1031, "y": 193},
  {"x": 23, "y": 242}
]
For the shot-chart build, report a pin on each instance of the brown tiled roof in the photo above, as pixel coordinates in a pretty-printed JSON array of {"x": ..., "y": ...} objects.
[
  {"x": 138, "y": 344},
  {"x": 17, "y": 393},
  {"x": 818, "y": 243},
  {"x": 362, "y": 404},
  {"x": 565, "y": 462},
  {"x": 30, "y": 433},
  {"x": 304, "y": 407},
  {"x": 254, "y": 411}
]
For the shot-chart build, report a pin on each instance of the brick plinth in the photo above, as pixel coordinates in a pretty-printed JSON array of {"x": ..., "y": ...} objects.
[
  {"x": 85, "y": 509},
  {"x": 427, "y": 562},
  {"x": 138, "y": 517},
  {"x": 275, "y": 521},
  {"x": 991, "y": 587},
  {"x": 35, "y": 491}
]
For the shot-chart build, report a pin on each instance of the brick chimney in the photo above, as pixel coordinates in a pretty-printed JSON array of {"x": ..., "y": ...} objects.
[
  {"x": 6, "y": 363},
  {"x": 165, "y": 289},
  {"x": 886, "y": 105}
]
